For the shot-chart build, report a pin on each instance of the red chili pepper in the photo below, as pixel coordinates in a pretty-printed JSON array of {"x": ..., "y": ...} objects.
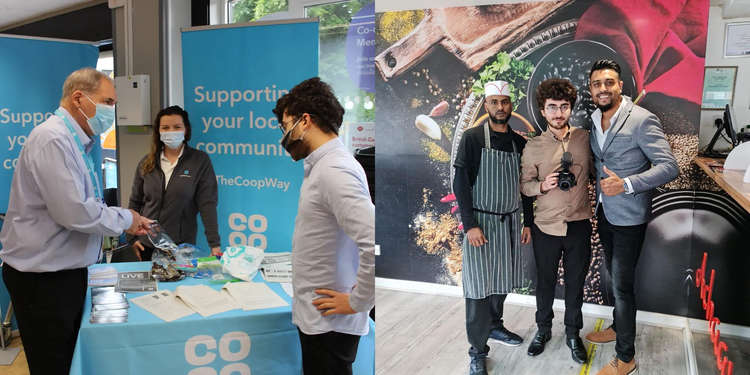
[{"x": 448, "y": 198}]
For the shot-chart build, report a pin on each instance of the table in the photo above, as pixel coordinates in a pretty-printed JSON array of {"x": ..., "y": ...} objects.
[
  {"x": 235, "y": 342},
  {"x": 728, "y": 179}
]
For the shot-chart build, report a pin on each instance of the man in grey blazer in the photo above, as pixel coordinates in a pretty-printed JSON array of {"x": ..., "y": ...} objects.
[{"x": 631, "y": 157}]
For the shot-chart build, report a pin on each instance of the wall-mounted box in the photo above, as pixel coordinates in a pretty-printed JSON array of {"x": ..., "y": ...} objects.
[{"x": 133, "y": 100}]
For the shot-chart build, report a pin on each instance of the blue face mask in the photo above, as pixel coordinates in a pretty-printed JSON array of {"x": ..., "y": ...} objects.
[
  {"x": 103, "y": 119},
  {"x": 172, "y": 140}
]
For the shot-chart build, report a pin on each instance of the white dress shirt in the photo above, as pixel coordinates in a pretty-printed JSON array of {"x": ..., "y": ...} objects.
[
  {"x": 334, "y": 241},
  {"x": 601, "y": 136},
  {"x": 168, "y": 167},
  {"x": 54, "y": 220}
]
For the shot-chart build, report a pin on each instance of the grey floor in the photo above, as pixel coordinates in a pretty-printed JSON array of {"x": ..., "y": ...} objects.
[
  {"x": 739, "y": 353},
  {"x": 424, "y": 334}
]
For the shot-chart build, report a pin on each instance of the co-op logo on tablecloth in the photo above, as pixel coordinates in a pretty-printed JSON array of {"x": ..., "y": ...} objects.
[{"x": 202, "y": 350}]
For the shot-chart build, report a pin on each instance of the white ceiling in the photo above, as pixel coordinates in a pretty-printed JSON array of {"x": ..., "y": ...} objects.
[
  {"x": 15, "y": 11},
  {"x": 733, "y": 8}
]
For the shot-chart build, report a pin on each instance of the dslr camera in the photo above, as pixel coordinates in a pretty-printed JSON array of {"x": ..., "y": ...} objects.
[{"x": 565, "y": 179}]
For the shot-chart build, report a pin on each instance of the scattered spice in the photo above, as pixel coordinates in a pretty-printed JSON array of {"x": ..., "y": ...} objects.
[
  {"x": 438, "y": 234},
  {"x": 393, "y": 26},
  {"x": 435, "y": 152}
]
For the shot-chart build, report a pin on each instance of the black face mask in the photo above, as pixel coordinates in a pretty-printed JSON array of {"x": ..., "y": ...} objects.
[{"x": 295, "y": 147}]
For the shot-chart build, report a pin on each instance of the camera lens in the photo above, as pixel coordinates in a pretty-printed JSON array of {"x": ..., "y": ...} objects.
[{"x": 566, "y": 180}]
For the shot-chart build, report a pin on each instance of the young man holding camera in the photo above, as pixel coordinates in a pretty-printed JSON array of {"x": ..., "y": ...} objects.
[{"x": 555, "y": 169}]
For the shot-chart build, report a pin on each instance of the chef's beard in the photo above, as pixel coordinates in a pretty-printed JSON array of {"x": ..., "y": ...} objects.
[{"x": 498, "y": 120}]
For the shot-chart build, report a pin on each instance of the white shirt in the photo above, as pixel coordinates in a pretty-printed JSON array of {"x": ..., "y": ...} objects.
[
  {"x": 601, "y": 136},
  {"x": 334, "y": 241},
  {"x": 54, "y": 220},
  {"x": 168, "y": 167}
]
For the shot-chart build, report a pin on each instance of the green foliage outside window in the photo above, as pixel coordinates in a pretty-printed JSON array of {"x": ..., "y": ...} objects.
[
  {"x": 251, "y": 10},
  {"x": 335, "y": 19}
]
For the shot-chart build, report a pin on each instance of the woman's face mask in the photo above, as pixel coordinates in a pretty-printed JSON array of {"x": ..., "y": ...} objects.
[{"x": 173, "y": 139}]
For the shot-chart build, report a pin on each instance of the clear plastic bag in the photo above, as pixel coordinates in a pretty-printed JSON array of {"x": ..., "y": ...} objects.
[{"x": 163, "y": 244}]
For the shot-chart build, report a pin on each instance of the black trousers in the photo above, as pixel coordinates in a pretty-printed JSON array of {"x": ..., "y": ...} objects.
[
  {"x": 575, "y": 250},
  {"x": 482, "y": 316},
  {"x": 128, "y": 254},
  {"x": 328, "y": 353},
  {"x": 622, "y": 247},
  {"x": 49, "y": 308}
]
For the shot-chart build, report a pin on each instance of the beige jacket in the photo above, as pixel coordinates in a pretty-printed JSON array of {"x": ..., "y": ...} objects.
[{"x": 555, "y": 208}]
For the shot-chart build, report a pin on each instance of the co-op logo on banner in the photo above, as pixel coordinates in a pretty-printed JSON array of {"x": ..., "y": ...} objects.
[
  {"x": 248, "y": 230},
  {"x": 202, "y": 351}
]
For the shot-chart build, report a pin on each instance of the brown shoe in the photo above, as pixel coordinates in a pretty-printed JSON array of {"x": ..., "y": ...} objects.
[
  {"x": 618, "y": 367},
  {"x": 602, "y": 337}
]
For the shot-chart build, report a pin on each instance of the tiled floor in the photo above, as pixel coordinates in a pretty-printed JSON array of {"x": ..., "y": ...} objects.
[
  {"x": 19, "y": 366},
  {"x": 425, "y": 334}
]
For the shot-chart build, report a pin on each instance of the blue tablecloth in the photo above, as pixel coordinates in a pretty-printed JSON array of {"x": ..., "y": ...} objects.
[{"x": 236, "y": 342}]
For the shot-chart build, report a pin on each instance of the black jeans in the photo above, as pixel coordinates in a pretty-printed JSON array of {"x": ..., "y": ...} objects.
[
  {"x": 482, "y": 316},
  {"x": 328, "y": 353},
  {"x": 575, "y": 250},
  {"x": 622, "y": 247},
  {"x": 49, "y": 308}
]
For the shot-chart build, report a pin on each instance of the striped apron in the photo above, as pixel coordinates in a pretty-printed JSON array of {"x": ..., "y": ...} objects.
[{"x": 495, "y": 267}]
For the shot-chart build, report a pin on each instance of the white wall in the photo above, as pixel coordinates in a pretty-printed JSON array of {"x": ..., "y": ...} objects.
[
  {"x": 133, "y": 143},
  {"x": 177, "y": 17},
  {"x": 715, "y": 57}
]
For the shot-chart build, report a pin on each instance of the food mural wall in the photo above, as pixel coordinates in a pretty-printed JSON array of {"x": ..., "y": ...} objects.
[{"x": 432, "y": 65}]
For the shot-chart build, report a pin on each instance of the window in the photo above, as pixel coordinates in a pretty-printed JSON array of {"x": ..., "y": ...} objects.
[
  {"x": 347, "y": 51},
  {"x": 108, "y": 139},
  {"x": 252, "y": 10}
]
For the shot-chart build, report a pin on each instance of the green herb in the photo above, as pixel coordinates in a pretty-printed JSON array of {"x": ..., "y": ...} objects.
[
  {"x": 505, "y": 68},
  {"x": 527, "y": 290}
]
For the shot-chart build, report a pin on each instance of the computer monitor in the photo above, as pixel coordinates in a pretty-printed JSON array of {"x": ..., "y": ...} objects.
[
  {"x": 729, "y": 119},
  {"x": 726, "y": 125}
]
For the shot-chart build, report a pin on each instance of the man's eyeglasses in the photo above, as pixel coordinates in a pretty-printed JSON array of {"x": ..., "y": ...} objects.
[
  {"x": 283, "y": 127},
  {"x": 551, "y": 108}
]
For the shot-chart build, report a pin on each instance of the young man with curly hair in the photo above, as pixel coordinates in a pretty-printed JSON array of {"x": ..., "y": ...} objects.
[
  {"x": 563, "y": 209},
  {"x": 333, "y": 248}
]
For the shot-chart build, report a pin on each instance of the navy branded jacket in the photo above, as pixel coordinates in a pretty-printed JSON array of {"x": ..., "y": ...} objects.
[{"x": 192, "y": 189}]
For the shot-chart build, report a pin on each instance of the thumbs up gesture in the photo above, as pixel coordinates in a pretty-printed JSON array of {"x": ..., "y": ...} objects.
[{"x": 613, "y": 184}]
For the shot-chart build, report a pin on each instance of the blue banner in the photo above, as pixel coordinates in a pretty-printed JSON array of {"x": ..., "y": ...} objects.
[
  {"x": 232, "y": 79},
  {"x": 32, "y": 73}
]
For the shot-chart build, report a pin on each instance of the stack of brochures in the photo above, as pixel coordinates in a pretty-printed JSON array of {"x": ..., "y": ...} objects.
[
  {"x": 253, "y": 296},
  {"x": 135, "y": 282},
  {"x": 108, "y": 306},
  {"x": 206, "y": 301},
  {"x": 164, "y": 304},
  {"x": 102, "y": 276},
  {"x": 277, "y": 267}
]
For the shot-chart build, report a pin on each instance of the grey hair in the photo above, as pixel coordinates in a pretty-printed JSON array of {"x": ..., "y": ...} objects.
[{"x": 85, "y": 79}]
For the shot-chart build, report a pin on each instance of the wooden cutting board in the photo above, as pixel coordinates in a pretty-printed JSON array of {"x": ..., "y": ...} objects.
[{"x": 473, "y": 34}]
